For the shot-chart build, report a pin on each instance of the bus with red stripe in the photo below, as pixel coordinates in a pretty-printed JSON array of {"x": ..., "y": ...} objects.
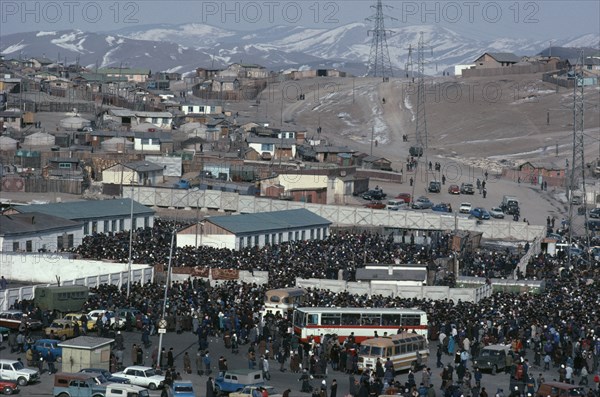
[{"x": 312, "y": 323}]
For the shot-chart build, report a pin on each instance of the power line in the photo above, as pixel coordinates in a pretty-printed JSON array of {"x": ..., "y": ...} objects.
[{"x": 380, "y": 64}]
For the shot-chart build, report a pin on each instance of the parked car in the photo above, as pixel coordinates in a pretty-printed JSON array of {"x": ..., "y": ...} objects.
[
  {"x": 247, "y": 391},
  {"x": 593, "y": 225},
  {"x": 76, "y": 318},
  {"x": 125, "y": 390},
  {"x": 416, "y": 151},
  {"x": 492, "y": 358},
  {"x": 595, "y": 213},
  {"x": 376, "y": 205},
  {"x": 396, "y": 205},
  {"x": 4, "y": 332},
  {"x": 43, "y": 346},
  {"x": 467, "y": 188},
  {"x": 465, "y": 208},
  {"x": 142, "y": 376},
  {"x": 181, "y": 389},
  {"x": 454, "y": 189},
  {"x": 560, "y": 389},
  {"x": 106, "y": 374},
  {"x": 404, "y": 196},
  {"x": 15, "y": 371},
  {"x": 13, "y": 318},
  {"x": 497, "y": 213},
  {"x": 442, "y": 207},
  {"x": 480, "y": 213},
  {"x": 422, "y": 203},
  {"x": 375, "y": 194},
  {"x": 112, "y": 318},
  {"x": 77, "y": 385},
  {"x": 8, "y": 386},
  {"x": 434, "y": 187},
  {"x": 61, "y": 329},
  {"x": 235, "y": 380}
]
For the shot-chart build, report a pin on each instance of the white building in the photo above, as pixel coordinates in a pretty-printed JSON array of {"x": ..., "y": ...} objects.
[
  {"x": 459, "y": 68},
  {"x": 36, "y": 231},
  {"x": 97, "y": 216},
  {"x": 189, "y": 108},
  {"x": 255, "y": 230}
]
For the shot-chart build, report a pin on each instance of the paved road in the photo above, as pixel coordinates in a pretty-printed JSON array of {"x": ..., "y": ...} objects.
[{"x": 280, "y": 380}]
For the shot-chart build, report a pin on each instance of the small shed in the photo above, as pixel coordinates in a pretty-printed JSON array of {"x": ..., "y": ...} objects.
[{"x": 85, "y": 352}]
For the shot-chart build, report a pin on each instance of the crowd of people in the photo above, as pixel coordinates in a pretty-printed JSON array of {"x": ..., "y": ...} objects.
[{"x": 561, "y": 322}]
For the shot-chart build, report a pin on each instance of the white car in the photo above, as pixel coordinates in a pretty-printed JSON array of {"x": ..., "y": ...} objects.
[
  {"x": 142, "y": 376},
  {"x": 94, "y": 314},
  {"x": 465, "y": 208},
  {"x": 497, "y": 213}
]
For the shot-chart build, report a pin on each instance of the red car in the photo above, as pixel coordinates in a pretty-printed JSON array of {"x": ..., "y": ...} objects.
[
  {"x": 8, "y": 387},
  {"x": 376, "y": 205},
  {"x": 454, "y": 189},
  {"x": 405, "y": 197}
]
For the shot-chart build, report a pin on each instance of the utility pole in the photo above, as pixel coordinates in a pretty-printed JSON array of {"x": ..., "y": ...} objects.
[
  {"x": 421, "y": 120},
  {"x": 164, "y": 308},
  {"x": 372, "y": 136},
  {"x": 380, "y": 64},
  {"x": 578, "y": 161},
  {"x": 408, "y": 66}
]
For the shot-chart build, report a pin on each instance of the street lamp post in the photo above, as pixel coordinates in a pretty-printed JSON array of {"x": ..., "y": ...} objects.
[
  {"x": 130, "y": 247},
  {"x": 164, "y": 308}
]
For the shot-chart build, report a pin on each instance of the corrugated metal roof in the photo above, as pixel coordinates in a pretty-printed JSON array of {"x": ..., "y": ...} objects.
[
  {"x": 34, "y": 222},
  {"x": 144, "y": 166},
  {"x": 269, "y": 221},
  {"x": 504, "y": 56},
  {"x": 89, "y": 209}
]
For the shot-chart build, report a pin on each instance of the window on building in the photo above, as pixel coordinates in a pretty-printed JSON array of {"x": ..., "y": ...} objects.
[
  {"x": 266, "y": 147},
  {"x": 134, "y": 223},
  {"x": 70, "y": 241},
  {"x": 147, "y": 221},
  {"x": 312, "y": 234},
  {"x": 297, "y": 236},
  {"x": 16, "y": 246},
  {"x": 64, "y": 165},
  {"x": 121, "y": 224},
  {"x": 266, "y": 239},
  {"x": 273, "y": 237},
  {"x": 28, "y": 245},
  {"x": 201, "y": 109},
  {"x": 318, "y": 234},
  {"x": 94, "y": 227},
  {"x": 146, "y": 141},
  {"x": 324, "y": 232},
  {"x": 60, "y": 244},
  {"x": 304, "y": 235},
  {"x": 280, "y": 238},
  {"x": 256, "y": 240},
  {"x": 86, "y": 228},
  {"x": 289, "y": 236},
  {"x": 113, "y": 225},
  {"x": 154, "y": 120},
  {"x": 106, "y": 224},
  {"x": 190, "y": 109}
]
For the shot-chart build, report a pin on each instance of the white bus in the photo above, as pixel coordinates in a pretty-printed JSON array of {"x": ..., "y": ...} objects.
[
  {"x": 283, "y": 300},
  {"x": 314, "y": 322},
  {"x": 405, "y": 350}
]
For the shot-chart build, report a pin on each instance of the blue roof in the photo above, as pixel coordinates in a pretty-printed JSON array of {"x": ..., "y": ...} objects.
[
  {"x": 89, "y": 209},
  {"x": 269, "y": 221}
]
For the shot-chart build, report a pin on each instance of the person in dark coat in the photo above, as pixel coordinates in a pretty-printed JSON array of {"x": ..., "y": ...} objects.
[
  {"x": 170, "y": 359},
  {"x": 210, "y": 387},
  {"x": 333, "y": 389},
  {"x": 363, "y": 391}
]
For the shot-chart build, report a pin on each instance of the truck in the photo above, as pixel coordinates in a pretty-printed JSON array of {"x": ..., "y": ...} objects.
[
  {"x": 15, "y": 370},
  {"x": 510, "y": 205}
]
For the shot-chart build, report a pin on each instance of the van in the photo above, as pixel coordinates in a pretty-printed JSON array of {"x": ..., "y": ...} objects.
[
  {"x": 395, "y": 205},
  {"x": 510, "y": 201},
  {"x": 559, "y": 389},
  {"x": 123, "y": 390},
  {"x": 15, "y": 370}
]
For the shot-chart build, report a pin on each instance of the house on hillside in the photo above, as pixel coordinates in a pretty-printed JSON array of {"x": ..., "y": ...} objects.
[
  {"x": 153, "y": 141},
  {"x": 63, "y": 168},
  {"x": 536, "y": 172},
  {"x": 132, "y": 75},
  {"x": 496, "y": 60},
  {"x": 334, "y": 154},
  {"x": 12, "y": 118},
  {"x": 272, "y": 148},
  {"x": 372, "y": 162},
  {"x": 143, "y": 173}
]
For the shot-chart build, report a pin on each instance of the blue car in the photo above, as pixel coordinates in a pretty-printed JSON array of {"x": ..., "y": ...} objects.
[
  {"x": 442, "y": 207},
  {"x": 234, "y": 380},
  {"x": 480, "y": 213},
  {"x": 181, "y": 389},
  {"x": 106, "y": 374},
  {"x": 45, "y": 345}
]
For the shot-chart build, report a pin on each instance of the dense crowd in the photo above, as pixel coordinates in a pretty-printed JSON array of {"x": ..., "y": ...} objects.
[{"x": 560, "y": 324}]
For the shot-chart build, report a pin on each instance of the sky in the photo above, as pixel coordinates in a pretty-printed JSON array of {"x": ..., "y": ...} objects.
[{"x": 538, "y": 20}]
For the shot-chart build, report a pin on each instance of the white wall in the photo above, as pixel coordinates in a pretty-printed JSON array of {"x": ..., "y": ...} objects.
[
  {"x": 139, "y": 220},
  {"x": 44, "y": 268},
  {"x": 212, "y": 240}
]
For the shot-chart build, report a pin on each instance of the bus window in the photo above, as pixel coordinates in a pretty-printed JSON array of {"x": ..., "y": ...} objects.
[
  {"x": 390, "y": 319},
  {"x": 377, "y": 351},
  {"x": 313, "y": 319},
  {"x": 350, "y": 318},
  {"x": 371, "y": 319},
  {"x": 275, "y": 299},
  {"x": 330, "y": 319},
  {"x": 402, "y": 349},
  {"x": 286, "y": 300},
  {"x": 411, "y": 320},
  {"x": 365, "y": 350}
]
